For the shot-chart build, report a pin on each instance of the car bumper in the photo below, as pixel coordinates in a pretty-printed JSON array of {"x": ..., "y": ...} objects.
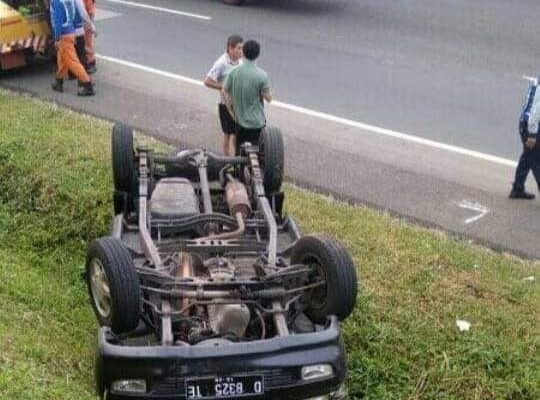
[{"x": 279, "y": 360}]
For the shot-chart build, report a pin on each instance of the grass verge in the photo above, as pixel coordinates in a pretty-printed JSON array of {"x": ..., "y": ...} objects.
[{"x": 402, "y": 339}]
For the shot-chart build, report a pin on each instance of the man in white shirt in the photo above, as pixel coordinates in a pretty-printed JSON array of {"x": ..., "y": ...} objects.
[{"x": 214, "y": 80}]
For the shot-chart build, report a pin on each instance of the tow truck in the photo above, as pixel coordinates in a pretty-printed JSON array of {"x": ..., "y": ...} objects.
[{"x": 24, "y": 32}]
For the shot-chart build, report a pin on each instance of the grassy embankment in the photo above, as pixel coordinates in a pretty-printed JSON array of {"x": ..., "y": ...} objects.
[{"x": 402, "y": 339}]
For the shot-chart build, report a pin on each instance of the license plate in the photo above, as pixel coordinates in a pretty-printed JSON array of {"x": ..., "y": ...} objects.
[{"x": 224, "y": 387}]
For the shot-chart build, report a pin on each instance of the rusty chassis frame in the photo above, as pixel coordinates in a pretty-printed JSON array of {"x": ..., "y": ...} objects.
[
  {"x": 179, "y": 255},
  {"x": 204, "y": 293}
]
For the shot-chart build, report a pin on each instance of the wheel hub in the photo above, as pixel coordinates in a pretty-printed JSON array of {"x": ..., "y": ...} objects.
[
  {"x": 99, "y": 284},
  {"x": 318, "y": 296}
]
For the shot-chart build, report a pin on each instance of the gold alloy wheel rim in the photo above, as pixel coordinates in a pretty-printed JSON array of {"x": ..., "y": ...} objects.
[{"x": 101, "y": 291}]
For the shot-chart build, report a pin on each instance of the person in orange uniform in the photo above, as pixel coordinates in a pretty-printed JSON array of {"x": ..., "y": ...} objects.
[
  {"x": 62, "y": 21},
  {"x": 89, "y": 37},
  {"x": 82, "y": 23}
]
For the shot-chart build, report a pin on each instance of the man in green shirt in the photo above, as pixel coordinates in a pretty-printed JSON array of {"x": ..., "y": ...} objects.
[{"x": 245, "y": 89}]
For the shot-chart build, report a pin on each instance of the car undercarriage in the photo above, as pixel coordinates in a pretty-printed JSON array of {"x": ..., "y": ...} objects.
[{"x": 205, "y": 289}]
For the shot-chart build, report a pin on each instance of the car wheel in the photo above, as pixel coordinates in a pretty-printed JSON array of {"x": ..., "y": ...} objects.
[
  {"x": 123, "y": 165},
  {"x": 329, "y": 262},
  {"x": 271, "y": 158},
  {"x": 113, "y": 284},
  {"x": 119, "y": 202}
]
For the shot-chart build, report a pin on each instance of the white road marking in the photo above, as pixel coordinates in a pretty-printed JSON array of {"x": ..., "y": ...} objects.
[
  {"x": 398, "y": 135},
  {"x": 151, "y": 70},
  {"x": 476, "y": 207},
  {"x": 161, "y": 9},
  {"x": 333, "y": 118},
  {"x": 105, "y": 14},
  {"x": 530, "y": 79}
]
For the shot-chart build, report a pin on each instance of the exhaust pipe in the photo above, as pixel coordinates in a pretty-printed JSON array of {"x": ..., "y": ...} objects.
[{"x": 239, "y": 206}]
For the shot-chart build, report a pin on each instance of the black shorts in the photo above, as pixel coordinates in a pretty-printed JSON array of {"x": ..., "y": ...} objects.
[
  {"x": 228, "y": 124},
  {"x": 250, "y": 135}
]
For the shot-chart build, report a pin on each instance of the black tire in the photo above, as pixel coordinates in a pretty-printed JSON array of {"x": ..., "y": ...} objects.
[
  {"x": 123, "y": 164},
  {"x": 271, "y": 157},
  {"x": 120, "y": 201},
  {"x": 110, "y": 257},
  {"x": 330, "y": 261},
  {"x": 49, "y": 54}
]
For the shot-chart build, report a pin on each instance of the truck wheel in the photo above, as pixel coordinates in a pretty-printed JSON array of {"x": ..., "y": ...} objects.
[
  {"x": 271, "y": 158},
  {"x": 49, "y": 53},
  {"x": 123, "y": 165},
  {"x": 113, "y": 284},
  {"x": 330, "y": 262}
]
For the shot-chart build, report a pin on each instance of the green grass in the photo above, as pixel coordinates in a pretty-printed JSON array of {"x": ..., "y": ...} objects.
[{"x": 402, "y": 339}]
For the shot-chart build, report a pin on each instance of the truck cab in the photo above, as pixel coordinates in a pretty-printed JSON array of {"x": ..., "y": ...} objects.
[{"x": 24, "y": 31}]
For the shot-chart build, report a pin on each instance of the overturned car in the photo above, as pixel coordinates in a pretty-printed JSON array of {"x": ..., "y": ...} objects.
[{"x": 206, "y": 289}]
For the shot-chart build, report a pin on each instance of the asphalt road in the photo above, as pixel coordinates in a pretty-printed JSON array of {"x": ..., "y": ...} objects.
[{"x": 450, "y": 71}]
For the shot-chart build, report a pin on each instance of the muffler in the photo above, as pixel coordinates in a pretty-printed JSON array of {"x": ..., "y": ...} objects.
[
  {"x": 237, "y": 198},
  {"x": 239, "y": 206}
]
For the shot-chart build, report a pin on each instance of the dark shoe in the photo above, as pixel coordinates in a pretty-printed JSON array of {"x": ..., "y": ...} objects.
[
  {"x": 86, "y": 89},
  {"x": 91, "y": 68},
  {"x": 58, "y": 85},
  {"x": 522, "y": 194}
]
